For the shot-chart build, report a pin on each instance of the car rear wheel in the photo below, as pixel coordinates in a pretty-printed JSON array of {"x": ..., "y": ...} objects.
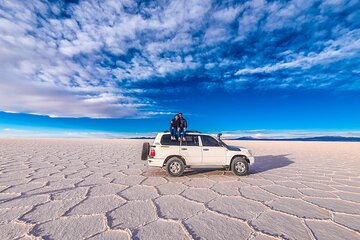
[
  {"x": 145, "y": 151},
  {"x": 175, "y": 167},
  {"x": 240, "y": 166}
]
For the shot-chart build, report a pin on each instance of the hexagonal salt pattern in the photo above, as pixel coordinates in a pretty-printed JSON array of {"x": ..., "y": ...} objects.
[{"x": 100, "y": 189}]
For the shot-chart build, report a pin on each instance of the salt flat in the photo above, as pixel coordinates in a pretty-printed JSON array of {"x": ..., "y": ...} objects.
[{"x": 100, "y": 189}]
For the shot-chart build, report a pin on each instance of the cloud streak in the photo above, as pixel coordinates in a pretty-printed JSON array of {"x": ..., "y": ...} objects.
[{"x": 348, "y": 46}]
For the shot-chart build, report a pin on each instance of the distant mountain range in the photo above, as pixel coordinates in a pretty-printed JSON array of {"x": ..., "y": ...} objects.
[
  {"x": 320, "y": 138},
  {"x": 142, "y": 138}
]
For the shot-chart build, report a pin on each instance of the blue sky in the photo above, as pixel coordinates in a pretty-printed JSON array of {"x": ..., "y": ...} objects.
[{"x": 123, "y": 68}]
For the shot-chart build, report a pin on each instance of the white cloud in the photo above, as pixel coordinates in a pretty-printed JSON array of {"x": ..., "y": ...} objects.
[
  {"x": 227, "y": 15},
  {"x": 45, "y": 99},
  {"x": 40, "y": 70},
  {"x": 252, "y": 12},
  {"x": 55, "y": 57},
  {"x": 53, "y": 65},
  {"x": 336, "y": 50},
  {"x": 56, "y": 133}
]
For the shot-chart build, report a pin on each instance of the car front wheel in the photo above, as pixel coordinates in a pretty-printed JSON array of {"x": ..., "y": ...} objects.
[
  {"x": 175, "y": 167},
  {"x": 240, "y": 166}
]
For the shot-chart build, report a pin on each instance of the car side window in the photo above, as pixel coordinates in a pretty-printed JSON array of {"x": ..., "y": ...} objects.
[
  {"x": 191, "y": 140},
  {"x": 166, "y": 140},
  {"x": 208, "y": 141}
]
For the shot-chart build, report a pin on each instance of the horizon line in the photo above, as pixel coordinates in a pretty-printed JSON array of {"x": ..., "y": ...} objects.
[{"x": 250, "y": 133}]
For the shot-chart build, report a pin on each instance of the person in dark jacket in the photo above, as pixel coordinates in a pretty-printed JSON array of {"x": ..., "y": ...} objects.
[
  {"x": 182, "y": 126},
  {"x": 174, "y": 125}
]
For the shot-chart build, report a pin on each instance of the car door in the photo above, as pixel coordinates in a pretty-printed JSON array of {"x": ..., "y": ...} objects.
[
  {"x": 191, "y": 150},
  {"x": 213, "y": 153}
]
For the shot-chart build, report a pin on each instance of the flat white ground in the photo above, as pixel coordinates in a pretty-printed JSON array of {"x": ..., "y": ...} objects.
[{"x": 100, "y": 189}]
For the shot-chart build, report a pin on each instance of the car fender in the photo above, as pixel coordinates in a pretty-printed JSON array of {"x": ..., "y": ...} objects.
[
  {"x": 233, "y": 156},
  {"x": 175, "y": 155}
]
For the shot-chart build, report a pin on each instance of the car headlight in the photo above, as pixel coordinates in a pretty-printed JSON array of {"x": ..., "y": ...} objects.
[{"x": 250, "y": 152}]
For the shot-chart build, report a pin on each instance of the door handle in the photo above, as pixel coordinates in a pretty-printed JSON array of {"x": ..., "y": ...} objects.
[
  {"x": 205, "y": 149},
  {"x": 183, "y": 148}
]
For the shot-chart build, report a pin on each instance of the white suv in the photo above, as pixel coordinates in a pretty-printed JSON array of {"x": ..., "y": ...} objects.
[{"x": 199, "y": 150}]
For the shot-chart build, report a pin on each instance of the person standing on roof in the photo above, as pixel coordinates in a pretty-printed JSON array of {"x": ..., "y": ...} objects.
[
  {"x": 182, "y": 126},
  {"x": 174, "y": 125}
]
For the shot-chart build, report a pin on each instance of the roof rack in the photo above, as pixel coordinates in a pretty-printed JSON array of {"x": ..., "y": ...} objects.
[
  {"x": 188, "y": 131},
  {"x": 193, "y": 131}
]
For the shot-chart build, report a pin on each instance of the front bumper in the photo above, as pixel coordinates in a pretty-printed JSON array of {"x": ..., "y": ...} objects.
[{"x": 251, "y": 160}]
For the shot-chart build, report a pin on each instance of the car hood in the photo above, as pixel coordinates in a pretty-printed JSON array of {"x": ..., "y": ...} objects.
[{"x": 234, "y": 148}]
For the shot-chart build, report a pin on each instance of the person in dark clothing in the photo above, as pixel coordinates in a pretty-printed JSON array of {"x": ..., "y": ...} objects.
[
  {"x": 182, "y": 126},
  {"x": 174, "y": 125}
]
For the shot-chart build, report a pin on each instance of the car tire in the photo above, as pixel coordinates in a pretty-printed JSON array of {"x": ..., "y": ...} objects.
[
  {"x": 145, "y": 151},
  {"x": 240, "y": 166},
  {"x": 175, "y": 167}
]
